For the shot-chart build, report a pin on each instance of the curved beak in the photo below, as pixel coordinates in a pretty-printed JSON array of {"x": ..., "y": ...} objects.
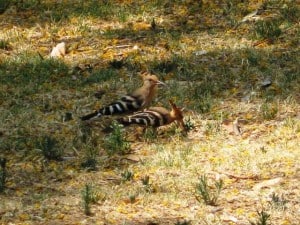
[{"x": 158, "y": 82}]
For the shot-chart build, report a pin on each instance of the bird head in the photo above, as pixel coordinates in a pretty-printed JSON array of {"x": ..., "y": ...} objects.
[
  {"x": 177, "y": 114},
  {"x": 151, "y": 80}
]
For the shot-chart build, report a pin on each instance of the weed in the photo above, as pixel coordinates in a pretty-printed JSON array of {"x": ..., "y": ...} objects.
[
  {"x": 189, "y": 124},
  {"x": 231, "y": 7},
  {"x": 88, "y": 196},
  {"x": 290, "y": 11},
  {"x": 145, "y": 180},
  {"x": 132, "y": 198},
  {"x": 184, "y": 222},
  {"x": 88, "y": 142},
  {"x": 268, "y": 29},
  {"x": 253, "y": 57},
  {"x": 127, "y": 175},
  {"x": 2, "y": 174},
  {"x": 146, "y": 183},
  {"x": 90, "y": 161},
  {"x": 207, "y": 194},
  {"x": 263, "y": 218},
  {"x": 278, "y": 202},
  {"x": 116, "y": 142},
  {"x": 49, "y": 148},
  {"x": 269, "y": 110},
  {"x": 90, "y": 164},
  {"x": 4, "y": 44}
]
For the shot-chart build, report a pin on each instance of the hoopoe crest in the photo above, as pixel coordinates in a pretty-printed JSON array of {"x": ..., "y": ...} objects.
[
  {"x": 139, "y": 99},
  {"x": 156, "y": 117}
]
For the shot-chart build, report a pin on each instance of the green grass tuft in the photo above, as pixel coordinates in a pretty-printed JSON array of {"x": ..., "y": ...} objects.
[
  {"x": 4, "y": 44},
  {"x": 89, "y": 196},
  {"x": 269, "y": 110},
  {"x": 90, "y": 159},
  {"x": 263, "y": 218},
  {"x": 3, "y": 174},
  {"x": 115, "y": 143},
  {"x": 184, "y": 222},
  {"x": 148, "y": 187},
  {"x": 269, "y": 29},
  {"x": 278, "y": 202},
  {"x": 127, "y": 175},
  {"x": 206, "y": 193},
  {"x": 49, "y": 147}
]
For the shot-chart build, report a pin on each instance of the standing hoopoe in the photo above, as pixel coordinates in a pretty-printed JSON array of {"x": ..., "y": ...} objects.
[
  {"x": 155, "y": 117},
  {"x": 138, "y": 100}
]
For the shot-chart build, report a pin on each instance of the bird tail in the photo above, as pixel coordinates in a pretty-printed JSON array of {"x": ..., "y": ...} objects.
[
  {"x": 125, "y": 105},
  {"x": 90, "y": 116}
]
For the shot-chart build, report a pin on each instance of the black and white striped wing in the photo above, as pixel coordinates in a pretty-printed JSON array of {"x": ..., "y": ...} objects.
[
  {"x": 146, "y": 118},
  {"x": 126, "y": 104}
]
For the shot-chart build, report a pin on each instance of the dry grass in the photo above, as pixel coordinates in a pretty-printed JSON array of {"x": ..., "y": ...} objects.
[{"x": 215, "y": 69}]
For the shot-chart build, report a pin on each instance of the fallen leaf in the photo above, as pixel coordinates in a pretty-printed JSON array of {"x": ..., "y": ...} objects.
[{"x": 59, "y": 50}]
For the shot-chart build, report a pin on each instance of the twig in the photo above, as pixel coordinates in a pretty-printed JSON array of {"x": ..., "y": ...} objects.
[
  {"x": 254, "y": 177},
  {"x": 118, "y": 46}
]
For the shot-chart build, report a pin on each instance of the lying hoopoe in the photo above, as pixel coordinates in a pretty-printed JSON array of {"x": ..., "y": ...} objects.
[
  {"x": 155, "y": 117},
  {"x": 138, "y": 100}
]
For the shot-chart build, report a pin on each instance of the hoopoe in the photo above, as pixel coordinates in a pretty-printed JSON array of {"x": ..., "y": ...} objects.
[
  {"x": 155, "y": 117},
  {"x": 138, "y": 100}
]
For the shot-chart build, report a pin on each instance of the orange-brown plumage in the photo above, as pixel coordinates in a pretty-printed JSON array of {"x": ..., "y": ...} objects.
[
  {"x": 139, "y": 99},
  {"x": 155, "y": 117}
]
